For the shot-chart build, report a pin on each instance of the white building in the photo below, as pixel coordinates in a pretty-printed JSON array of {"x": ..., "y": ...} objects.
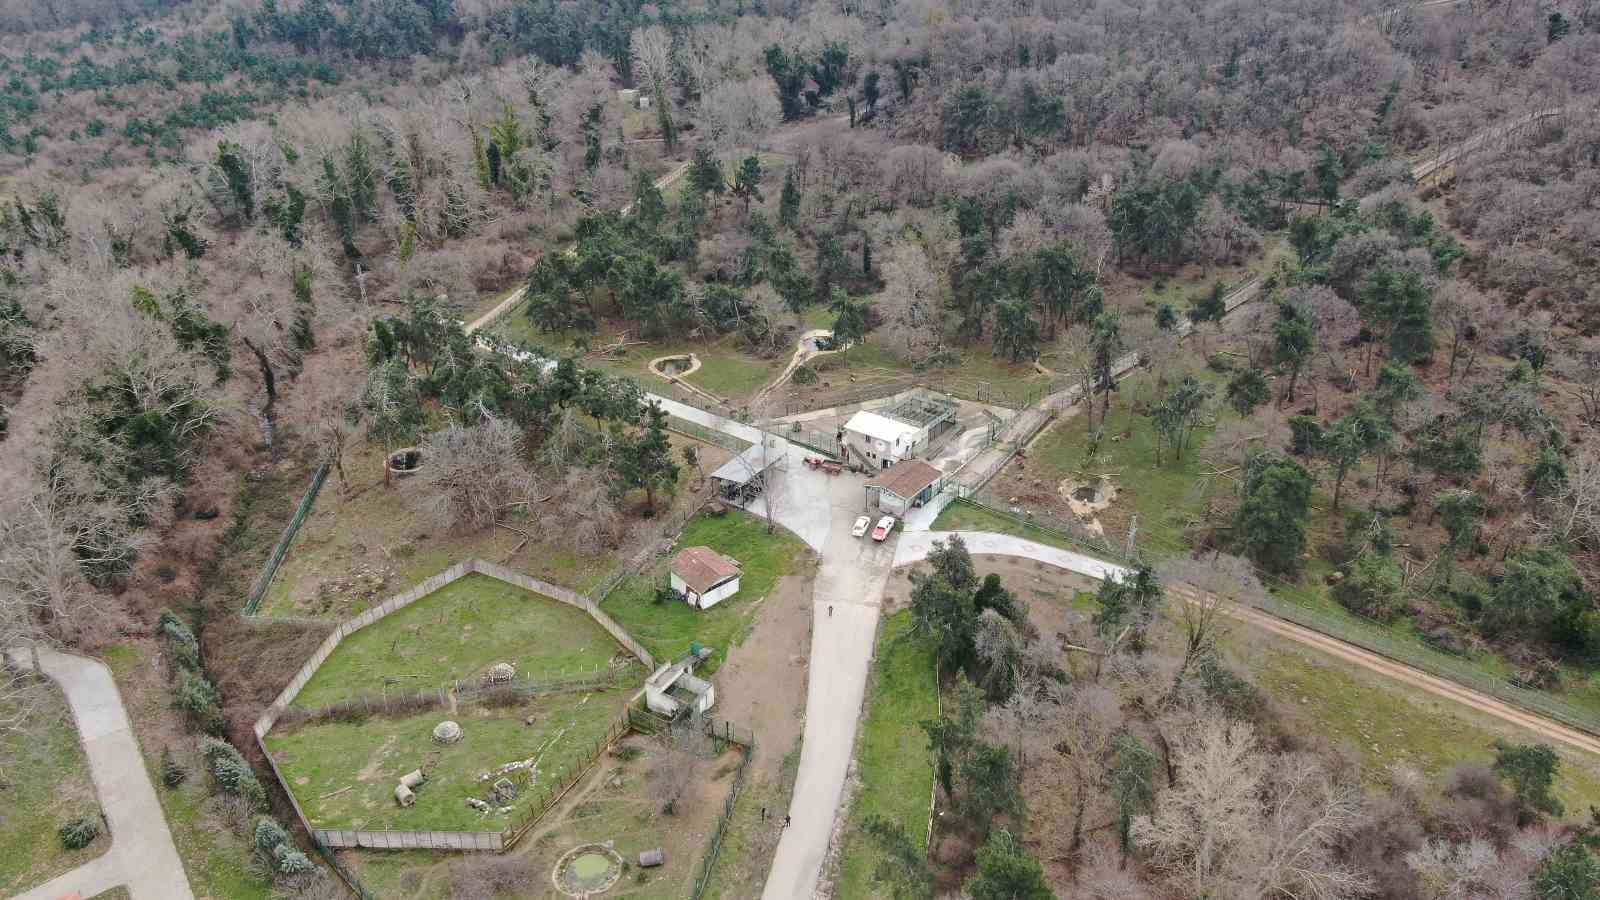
[
  {"x": 704, "y": 577},
  {"x": 673, "y": 687},
  {"x": 877, "y": 441},
  {"x": 900, "y": 489}
]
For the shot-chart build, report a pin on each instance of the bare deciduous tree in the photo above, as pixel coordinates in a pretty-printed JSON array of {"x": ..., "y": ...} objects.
[{"x": 476, "y": 473}]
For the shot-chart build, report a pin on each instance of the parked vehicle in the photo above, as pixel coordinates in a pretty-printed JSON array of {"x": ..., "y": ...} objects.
[
  {"x": 885, "y": 525},
  {"x": 861, "y": 526}
]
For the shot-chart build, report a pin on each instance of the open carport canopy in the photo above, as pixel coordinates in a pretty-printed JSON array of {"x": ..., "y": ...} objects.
[{"x": 744, "y": 468}]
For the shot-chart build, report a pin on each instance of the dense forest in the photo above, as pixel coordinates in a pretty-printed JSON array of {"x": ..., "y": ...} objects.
[{"x": 232, "y": 234}]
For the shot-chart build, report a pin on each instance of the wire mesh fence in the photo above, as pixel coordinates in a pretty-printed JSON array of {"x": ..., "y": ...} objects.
[
  {"x": 258, "y": 589},
  {"x": 745, "y": 739},
  {"x": 364, "y": 706}
]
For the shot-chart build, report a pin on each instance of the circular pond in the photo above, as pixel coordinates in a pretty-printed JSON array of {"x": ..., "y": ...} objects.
[{"x": 589, "y": 869}]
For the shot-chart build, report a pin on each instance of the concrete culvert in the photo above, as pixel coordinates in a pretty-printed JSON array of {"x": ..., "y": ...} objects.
[
  {"x": 447, "y": 732},
  {"x": 404, "y": 796}
]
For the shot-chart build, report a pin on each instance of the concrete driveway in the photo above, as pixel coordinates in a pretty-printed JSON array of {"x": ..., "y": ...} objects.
[
  {"x": 142, "y": 855},
  {"x": 820, "y": 508}
]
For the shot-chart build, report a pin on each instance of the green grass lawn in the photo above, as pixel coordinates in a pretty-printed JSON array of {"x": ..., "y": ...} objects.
[
  {"x": 319, "y": 761},
  {"x": 47, "y": 783},
  {"x": 726, "y": 369},
  {"x": 667, "y": 629},
  {"x": 1382, "y": 724},
  {"x": 454, "y": 634},
  {"x": 892, "y": 762},
  {"x": 963, "y": 516}
]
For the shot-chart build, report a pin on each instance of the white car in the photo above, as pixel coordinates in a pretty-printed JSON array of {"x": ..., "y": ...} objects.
[
  {"x": 861, "y": 526},
  {"x": 885, "y": 525}
]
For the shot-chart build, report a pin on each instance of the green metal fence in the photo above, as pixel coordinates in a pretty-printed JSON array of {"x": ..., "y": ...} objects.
[
  {"x": 344, "y": 873},
  {"x": 746, "y": 744},
  {"x": 264, "y": 579}
]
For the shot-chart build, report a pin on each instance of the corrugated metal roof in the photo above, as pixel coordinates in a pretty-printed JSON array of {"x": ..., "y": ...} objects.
[{"x": 882, "y": 428}]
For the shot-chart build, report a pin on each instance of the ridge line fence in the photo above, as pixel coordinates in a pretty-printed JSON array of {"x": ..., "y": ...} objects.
[
  {"x": 362, "y": 706},
  {"x": 258, "y": 588},
  {"x": 1358, "y": 631}
]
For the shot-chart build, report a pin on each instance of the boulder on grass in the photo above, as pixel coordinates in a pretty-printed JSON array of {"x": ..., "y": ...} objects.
[{"x": 499, "y": 673}]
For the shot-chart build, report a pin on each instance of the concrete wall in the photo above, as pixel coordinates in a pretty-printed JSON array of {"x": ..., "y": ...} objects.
[
  {"x": 444, "y": 840},
  {"x": 718, "y": 594}
]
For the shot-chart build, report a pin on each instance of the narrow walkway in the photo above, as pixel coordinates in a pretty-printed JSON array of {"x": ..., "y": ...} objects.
[
  {"x": 142, "y": 855},
  {"x": 915, "y": 547}
]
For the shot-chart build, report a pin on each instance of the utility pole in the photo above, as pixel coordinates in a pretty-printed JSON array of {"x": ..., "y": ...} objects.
[{"x": 1133, "y": 530}]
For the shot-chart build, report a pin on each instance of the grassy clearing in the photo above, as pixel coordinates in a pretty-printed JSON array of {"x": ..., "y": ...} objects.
[
  {"x": 892, "y": 765},
  {"x": 322, "y": 761},
  {"x": 1382, "y": 724},
  {"x": 454, "y": 634},
  {"x": 616, "y": 803},
  {"x": 215, "y": 860},
  {"x": 47, "y": 783},
  {"x": 357, "y": 550},
  {"x": 667, "y": 629},
  {"x": 960, "y": 516},
  {"x": 1193, "y": 281},
  {"x": 1164, "y": 497},
  {"x": 726, "y": 368}
]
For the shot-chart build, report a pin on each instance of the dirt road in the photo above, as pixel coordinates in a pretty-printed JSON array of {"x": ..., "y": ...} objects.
[{"x": 914, "y": 547}]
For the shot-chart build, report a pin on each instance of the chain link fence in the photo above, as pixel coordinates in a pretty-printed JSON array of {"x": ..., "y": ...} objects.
[
  {"x": 258, "y": 589},
  {"x": 725, "y": 733}
]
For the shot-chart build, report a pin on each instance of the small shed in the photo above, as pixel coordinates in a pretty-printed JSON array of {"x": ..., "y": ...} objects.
[
  {"x": 673, "y": 690},
  {"x": 897, "y": 489},
  {"x": 704, "y": 577}
]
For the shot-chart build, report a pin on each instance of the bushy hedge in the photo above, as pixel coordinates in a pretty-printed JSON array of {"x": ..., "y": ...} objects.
[
  {"x": 272, "y": 844},
  {"x": 80, "y": 832},
  {"x": 230, "y": 773}
]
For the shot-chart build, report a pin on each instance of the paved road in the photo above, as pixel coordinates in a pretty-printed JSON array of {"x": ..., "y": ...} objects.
[
  {"x": 142, "y": 856},
  {"x": 914, "y": 547},
  {"x": 850, "y": 579}
]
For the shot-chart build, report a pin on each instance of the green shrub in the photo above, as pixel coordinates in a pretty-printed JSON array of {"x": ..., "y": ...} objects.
[
  {"x": 80, "y": 832},
  {"x": 269, "y": 834},
  {"x": 291, "y": 861},
  {"x": 214, "y": 749},
  {"x": 1372, "y": 587},
  {"x": 181, "y": 642},
  {"x": 172, "y": 774},
  {"x": 197, "y": 699},
  {"x": 804, "y": 375}
]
